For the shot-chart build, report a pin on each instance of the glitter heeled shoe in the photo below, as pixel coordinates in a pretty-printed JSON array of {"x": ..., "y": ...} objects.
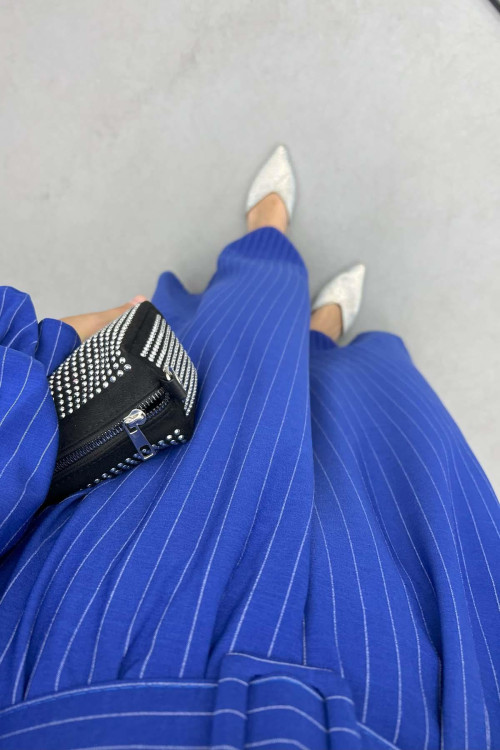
[
  {"x": 345, "y": 290},
  {"x": 275, "y": 176}
]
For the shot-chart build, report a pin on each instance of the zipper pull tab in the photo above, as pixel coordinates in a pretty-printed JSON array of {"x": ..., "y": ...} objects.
[
  {"x": 174, "y": 384},
  {"x": 141, "y": 443}
]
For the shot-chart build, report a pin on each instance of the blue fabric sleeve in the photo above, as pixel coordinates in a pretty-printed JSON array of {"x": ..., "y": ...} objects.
[{"x": 29, "y": 351}]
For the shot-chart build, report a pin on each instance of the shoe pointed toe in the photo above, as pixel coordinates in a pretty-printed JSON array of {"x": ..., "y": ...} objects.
[
  {"x": 346, "y": 291},
  {"x": 275, "y": 176}
]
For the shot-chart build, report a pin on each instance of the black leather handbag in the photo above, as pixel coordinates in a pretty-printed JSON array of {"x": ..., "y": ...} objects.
[{"x": 124, "y": 394}]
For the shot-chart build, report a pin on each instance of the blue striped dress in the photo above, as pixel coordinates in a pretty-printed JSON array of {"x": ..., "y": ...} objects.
[{"x": 317, "y": 568}]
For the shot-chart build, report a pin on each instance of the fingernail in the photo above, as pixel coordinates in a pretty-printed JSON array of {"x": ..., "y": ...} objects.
[{"x": 138, "y": 298}]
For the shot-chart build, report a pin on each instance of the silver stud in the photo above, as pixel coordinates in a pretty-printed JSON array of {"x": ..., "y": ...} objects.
[
  {"x": 169, "y": 437},
  {"x": 105, "y": 384},
  {"x": 181, "y": 437},
  {"x": 120, "y": 373},
  {"x": 127, "y": 367},
  {"x": 177, "y": 431},
  {"x": 112, "y": 379}
]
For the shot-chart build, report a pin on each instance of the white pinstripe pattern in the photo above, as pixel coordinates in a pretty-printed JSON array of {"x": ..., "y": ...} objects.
[
  {"x": 416, "y": 383},
  {"x": 3, "y": 299},
  {"x": 13, "y": 404},
  {"x": 432, "y": 447},
  {"x": 47, "y": 633},
  {"x": 431, "y": 532},
  {"x": 179, "y": 714},
  {"x": 303, "y": 714},
  {"x": 7, "y": 646},
  {"x": 210, "y": 395},
  {"x": 379, "y": 440},
  {"x": 286, "y": 679},
  {"x": 106, "y": 688},
  {"x": 5, "y": 336},
  {"x": 456, "y": 472},
  {"x": 40, "y": 652},
  {"x": 148, "y": 656},
  {"x": 360, "y": 591},
  {"x": 471, "y": 592},
  {"x": 3, "y": 365},
  {"x": 392, "y": 493},
  {"x": 37, "y": 466},
  {"x": 294, "y": 569},
  {"x": 332, "y": 590},
  {"x": 121, "y": 715},
  {"x": 377, "y": 553},
  {"x": 460, "y": 447},
  {"x": 404, "y": 396},
  {"x": 273, "y": 535},
  {"x": 14, "y": 454},
  {"x": 379, "y": 737},
  {"x": 405, "y": 586},
  {"x": 361, "y": 430},
  {"x": 399, "y": 717},
  {"x": 274, "y": 662},
  {"x": 207, "y": 571},
  {"x": 91, "y": 600},
  {"x": 393, "y": 496},
  {"x": 123, "y": 480},
  {"x": 11, "y": 342}
]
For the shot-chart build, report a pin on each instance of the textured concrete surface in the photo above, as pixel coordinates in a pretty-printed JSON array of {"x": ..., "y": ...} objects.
[{"x": 129, "y": 133}]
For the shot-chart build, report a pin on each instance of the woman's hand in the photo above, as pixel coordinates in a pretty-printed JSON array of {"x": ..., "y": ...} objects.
[{"x": 89, "y": 323}]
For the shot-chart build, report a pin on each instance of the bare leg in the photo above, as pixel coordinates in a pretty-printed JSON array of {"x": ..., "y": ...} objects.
[
  {"x": 328, "y": 320},
  {"x": 269, "y": 212}
]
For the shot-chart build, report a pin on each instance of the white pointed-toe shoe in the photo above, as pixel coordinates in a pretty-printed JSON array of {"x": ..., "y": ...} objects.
[
  {"x": 345, "y": 290},
  {"x": 275, "y": 176}
]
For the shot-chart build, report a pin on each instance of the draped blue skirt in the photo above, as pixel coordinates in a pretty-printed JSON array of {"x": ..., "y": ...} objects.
[{"x": 317, "y": 568}]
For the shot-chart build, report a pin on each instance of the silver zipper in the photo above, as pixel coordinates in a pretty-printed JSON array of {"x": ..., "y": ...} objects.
[
  {"x": 141, "y": 443},
  {"x": 174, "y": 380}
]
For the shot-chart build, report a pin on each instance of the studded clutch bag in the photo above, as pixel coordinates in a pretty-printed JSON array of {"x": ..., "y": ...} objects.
[{"x": 124, "y": 394}]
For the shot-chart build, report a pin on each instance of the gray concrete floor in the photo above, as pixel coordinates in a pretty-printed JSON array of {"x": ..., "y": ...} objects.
[{"x": 129, "y": 133}]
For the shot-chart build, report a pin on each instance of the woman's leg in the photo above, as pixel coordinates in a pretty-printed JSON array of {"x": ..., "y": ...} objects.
[{"x": 328, "y": 320}]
